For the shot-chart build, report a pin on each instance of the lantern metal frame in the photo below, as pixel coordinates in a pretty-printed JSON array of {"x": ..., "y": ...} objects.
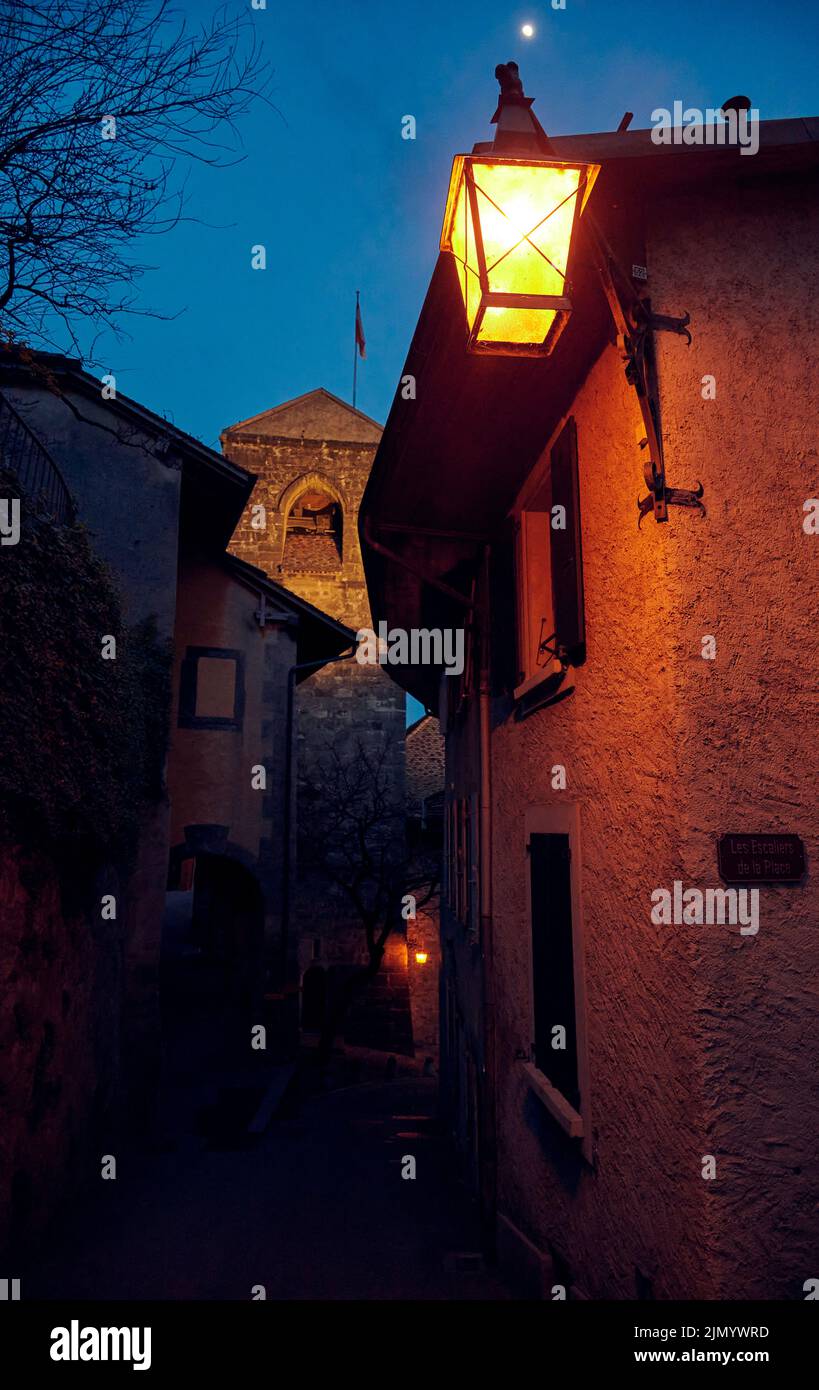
[{"x": 463, "y": 170}]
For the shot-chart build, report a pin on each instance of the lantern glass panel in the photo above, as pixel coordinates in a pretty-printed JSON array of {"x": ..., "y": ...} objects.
[
  {"x": 509, "y": 225},
  {"x": 515, "y": 325},
  {"x": 526, "y": 215},
  {"x": 465, "y": 251}
]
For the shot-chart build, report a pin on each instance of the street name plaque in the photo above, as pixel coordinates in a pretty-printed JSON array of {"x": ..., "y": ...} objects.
[{"x": 774, "y": 858}]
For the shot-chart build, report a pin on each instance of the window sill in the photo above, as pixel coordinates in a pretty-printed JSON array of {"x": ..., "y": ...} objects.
[
  {"x": 543, "y": 674},
  {"x": 556, "y": 1104}
]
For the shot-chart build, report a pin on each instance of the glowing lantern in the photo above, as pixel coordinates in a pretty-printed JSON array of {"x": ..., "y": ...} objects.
[
  {"x": 509, "y": 223},
  {"x": 421, "y": 957}
]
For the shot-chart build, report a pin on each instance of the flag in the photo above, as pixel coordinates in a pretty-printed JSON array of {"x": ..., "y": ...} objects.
[{"x": 360, "y": 340}]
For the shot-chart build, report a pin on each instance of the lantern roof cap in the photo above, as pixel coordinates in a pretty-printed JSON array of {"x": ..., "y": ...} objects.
[{"x": 518, "y": 129}]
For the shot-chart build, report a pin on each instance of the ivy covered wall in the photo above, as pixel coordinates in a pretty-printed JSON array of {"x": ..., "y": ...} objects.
[{"x": 84, "y": 738}]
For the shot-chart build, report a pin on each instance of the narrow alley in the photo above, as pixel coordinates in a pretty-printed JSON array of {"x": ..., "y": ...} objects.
[
  {"x": 314, "y": 1209},
  {"x": 409, "y": 514}
]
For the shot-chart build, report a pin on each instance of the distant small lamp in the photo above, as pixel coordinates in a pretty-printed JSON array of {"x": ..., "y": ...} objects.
[
  {"x": 421, "y": 957},
  {"x": 510, "y": 220}
]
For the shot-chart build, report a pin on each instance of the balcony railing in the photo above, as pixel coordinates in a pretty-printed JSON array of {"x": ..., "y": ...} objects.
[{"x": 40, "y": 479}]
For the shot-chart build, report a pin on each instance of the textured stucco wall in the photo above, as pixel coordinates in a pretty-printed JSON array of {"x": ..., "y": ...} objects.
[
  {"x": 209, "y": 770},
  {"x": 697, "y": 1036},
  {"x": 618, "y": 737},
  {"x": 127, "y": 498},
  {"x": 748, "y": 755}
]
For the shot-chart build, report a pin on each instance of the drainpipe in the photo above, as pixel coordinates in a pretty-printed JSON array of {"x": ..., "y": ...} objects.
[
  {"x": 488, "y": 1139},
  {"x": 292, "y": 676}
]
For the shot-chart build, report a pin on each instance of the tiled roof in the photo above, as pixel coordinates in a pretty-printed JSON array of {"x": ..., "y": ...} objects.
[{"x": 425, "y": 762}]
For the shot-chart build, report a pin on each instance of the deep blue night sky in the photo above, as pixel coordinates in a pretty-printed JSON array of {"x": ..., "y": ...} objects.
[{"x": 342, "y": 202}]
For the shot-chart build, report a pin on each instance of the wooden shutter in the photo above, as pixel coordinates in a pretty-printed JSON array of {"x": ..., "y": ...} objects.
[
  {"x": 553, "y": 961},
  {"x": 506, "y": 662},
  {"x": 566, "y": 549}
]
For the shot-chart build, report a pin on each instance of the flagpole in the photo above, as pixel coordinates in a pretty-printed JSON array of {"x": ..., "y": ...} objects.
[{"x": 355, "y": 348}]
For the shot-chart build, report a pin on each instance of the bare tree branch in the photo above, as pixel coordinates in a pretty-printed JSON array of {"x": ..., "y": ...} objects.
[
  {"x": 355, "y": 838},
  {"x": 73, "y": 202}
]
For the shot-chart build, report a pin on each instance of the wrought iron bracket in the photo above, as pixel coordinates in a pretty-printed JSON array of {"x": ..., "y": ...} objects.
[
  {"x": 660, "y": 493},
  {"x": 668, "y": 324},
  {"x": 544, "y": 646},
  {"x": 636, "y": 323},
  {"x": 549, "y": 647}
]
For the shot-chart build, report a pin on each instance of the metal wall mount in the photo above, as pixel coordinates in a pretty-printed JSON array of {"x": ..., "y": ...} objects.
[{"x": 636, "y": 324}]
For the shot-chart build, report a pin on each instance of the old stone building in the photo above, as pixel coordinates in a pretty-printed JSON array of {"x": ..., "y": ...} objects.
[
  {"x": 213, "y": 649},
  {"x": 312, "y": 457},
  {"x": 239, "y": 641},
  {"x": 425, "y": 775}
]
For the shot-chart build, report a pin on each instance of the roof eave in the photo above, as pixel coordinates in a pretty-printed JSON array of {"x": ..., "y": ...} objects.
[{"x": 318, "y": 634}]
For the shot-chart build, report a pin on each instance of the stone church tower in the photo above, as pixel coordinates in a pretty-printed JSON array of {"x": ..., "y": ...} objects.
[{"x": 313, "y": 456}]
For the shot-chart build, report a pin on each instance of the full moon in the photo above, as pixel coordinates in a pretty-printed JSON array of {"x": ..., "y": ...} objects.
[{"x": 527, "y": 30}]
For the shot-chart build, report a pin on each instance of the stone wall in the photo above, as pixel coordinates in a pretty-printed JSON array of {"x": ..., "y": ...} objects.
[
  {"x": 127, "y": 498},
  {"x": 382, "y": 1017},
  {"x": 357, "y": 712},
  {"x": 129, "y": 501},
  {"x": 319, "y": 442},
  {"x": 315, "y": 442},
  {"x": 423, "y": 938},
  {"x": 281, "y": 463},
  {"x": 425, "y": 763}
]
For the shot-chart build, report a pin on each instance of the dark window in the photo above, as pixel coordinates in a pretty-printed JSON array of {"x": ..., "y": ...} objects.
[
  {"x": 212, "y": 689},
  {"x": 215, "y": 687},
  {"x": 553, "y": 962}
]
